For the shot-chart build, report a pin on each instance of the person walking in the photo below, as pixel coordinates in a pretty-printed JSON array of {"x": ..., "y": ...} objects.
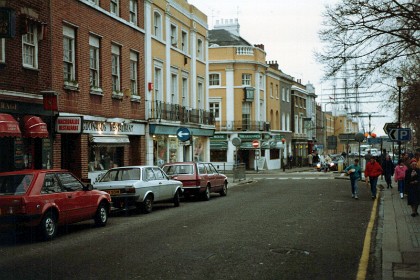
[
  {"x": 388, "y": 167},
  {"x": 372, "y": 171},
  {"x": 399, "y": 176},
  {"x": 355, "y": 173},
  {"x": 412, "y": 182}
]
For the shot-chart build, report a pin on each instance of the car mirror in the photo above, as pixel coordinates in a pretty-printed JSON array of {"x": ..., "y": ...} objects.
[{"x": 88, "y": 187}]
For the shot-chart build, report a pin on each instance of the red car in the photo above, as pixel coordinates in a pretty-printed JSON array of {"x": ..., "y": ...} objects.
[
  {"x": 198, "y": 178},
  {"x": 45, "y": 199}
]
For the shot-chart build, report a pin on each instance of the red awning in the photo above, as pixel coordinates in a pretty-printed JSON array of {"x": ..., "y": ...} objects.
[
  {"x": 35, "y": 127},
  {"x": 9, "y": 127}
]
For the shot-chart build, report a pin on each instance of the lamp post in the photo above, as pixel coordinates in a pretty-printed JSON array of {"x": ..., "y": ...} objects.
[{"x": 400, "y": 81}]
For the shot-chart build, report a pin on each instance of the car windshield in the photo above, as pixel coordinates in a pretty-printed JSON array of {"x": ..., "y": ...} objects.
[
  {"x": 178, "y": 169},
  {"x": 121, "y": 174},
  {"x": 15, "y": 184}
]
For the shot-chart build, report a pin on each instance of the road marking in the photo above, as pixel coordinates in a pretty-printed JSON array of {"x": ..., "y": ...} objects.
[
  {"x": 297, "y": 178},
  {"x": 364, "y": 259}
]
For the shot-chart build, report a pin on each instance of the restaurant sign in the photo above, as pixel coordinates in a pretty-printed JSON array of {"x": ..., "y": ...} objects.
[{"x": 69, "y": 124}]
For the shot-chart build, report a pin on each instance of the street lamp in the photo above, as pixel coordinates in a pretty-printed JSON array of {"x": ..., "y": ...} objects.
[{"x": 400, "y": 81}]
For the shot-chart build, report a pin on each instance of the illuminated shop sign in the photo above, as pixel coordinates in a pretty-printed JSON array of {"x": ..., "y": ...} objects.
[{"x": 69, "y": 125}]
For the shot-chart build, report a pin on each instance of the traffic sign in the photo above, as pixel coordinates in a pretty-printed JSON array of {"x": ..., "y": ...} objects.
[
  {"x": 183, "y": 134},
  {"x": 389, "y": 126},
  {"x": 400, "y": 134},
  {"x": 255, "y": 143}
]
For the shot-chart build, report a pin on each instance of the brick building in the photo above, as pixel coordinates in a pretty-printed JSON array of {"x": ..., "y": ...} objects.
[{"x": 77, "y": 66}]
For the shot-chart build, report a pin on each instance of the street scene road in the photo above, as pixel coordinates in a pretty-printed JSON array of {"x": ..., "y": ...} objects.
[{"x": 270, "y": 228}]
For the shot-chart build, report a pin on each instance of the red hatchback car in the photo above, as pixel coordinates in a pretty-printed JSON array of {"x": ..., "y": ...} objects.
[
  {"x": 47, "y": 198},
  {"x": 198, "y": 178}
]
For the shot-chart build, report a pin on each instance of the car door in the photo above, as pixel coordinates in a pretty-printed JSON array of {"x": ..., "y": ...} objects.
[
  {"x": 165, "y": 185},
  {"x": 52, "y": 193},
  {"x": 218, "y": 179},
  {"x": 81, "y": 203},
  {"x": 202, "y": 175}
]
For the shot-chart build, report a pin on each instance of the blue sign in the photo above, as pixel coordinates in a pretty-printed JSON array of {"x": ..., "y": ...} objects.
[
  {"x": 400, "y": 134},
  {"x": 183, "y": 134}
]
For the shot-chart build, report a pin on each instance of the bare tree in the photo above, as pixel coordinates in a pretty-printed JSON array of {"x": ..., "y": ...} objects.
[{"x": 377, "y": 35}]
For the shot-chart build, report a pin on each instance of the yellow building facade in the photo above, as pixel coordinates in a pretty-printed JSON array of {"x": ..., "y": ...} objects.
[{"x": 176, "y": 56}]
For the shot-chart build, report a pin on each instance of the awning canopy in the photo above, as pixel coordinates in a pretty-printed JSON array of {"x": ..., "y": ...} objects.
[
  {"x": 34, "y": 127},
  {"x": 119, "y": 140},
  {"x": 9, "y": 127}
]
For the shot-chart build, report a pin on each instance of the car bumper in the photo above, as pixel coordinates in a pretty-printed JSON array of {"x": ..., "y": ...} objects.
[
  {"x": 25, "y": 220},
  {"x": 192, "y": 190},
  {"x": 124, "y": 201}
]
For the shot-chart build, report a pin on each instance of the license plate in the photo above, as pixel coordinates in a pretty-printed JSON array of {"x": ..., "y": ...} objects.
[{"x": 113, "y": 192}]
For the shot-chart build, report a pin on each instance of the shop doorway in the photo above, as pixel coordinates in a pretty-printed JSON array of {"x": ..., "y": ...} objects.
[{"x": 6, "y": 154}]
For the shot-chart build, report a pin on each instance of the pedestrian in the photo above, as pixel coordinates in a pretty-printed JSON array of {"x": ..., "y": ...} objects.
[
  {"x": 388, "y": 168},
  {"x": 412, "y": 182},
  {"x": 355, "y": 173},
  {"x": 290, "y": 161},
  {"x": 310, "y": 158},
  {"x": 372, "y": 171},
  {"x": 399, "y": 176}
]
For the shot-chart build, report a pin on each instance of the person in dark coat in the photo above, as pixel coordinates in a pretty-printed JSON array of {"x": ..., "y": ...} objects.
[
  {"x": 412, "y": 183},
  {"x": 388, "y": 168}
]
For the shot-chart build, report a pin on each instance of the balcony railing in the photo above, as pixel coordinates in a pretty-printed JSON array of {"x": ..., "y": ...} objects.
[
  {"x": 176, "y": 112},
  {"x": 242, "y": 126}
]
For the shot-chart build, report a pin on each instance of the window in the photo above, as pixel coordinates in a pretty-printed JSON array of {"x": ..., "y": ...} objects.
[
  {"x": 95, "y": 2},
  {"x": 271, "y": 90},
  {"x": 157, "y": 21},
  {"x": 184, "y": 91},
  {"x": 283, "y": 94},
  {"x": 246, "y": 79},
  {"x": 2, "y": 50},
  {"x": 214, "y": 80},
  {"x": 215, "y": 109},
  {"x": 69, "y": 54},
  {"x": 288, "y": 122},
  {"x": 115, "y": 7},
  {"x": 288, "y": 95},
  {"x": 51, "y": 184},
  {"x": 30, "y": 47},
  {"x": 261, "y": 81},
  {"x": 200, "y": 54},
  {"x": 184, "y": 41},
  {"x": 133, "y": 72},
  {"x": 115, "y": 66},
  {"x": 296, "y": 124},
  {"x": 200, "y": 95},
  {"x": 69, "y": 182},
  {"x": 174, "y": 36},
  {"x": 277, "y": 92},
  {"x": 94, "y": 61},
  {"x": 246, "y": 115},
  {"x": 133, "y": 11},
  {"x": 158, "y": 84},
  {"x": 174, "y": 88},
  {"x": 283, "y": 122}
]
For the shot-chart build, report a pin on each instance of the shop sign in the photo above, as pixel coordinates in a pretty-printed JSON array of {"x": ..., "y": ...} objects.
[
  {"x": 69, "y": 124},
  {"x": 249, "y": 137},
  {"x": 113, "y": 128},
  {"x": 219, "y": 137}
]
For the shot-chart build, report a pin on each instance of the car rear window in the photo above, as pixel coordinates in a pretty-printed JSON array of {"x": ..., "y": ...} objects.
[
  {"x": 122, "y": 174},
  {"x": 15, "y": 184},
  {"x": 178, "y": 169}
]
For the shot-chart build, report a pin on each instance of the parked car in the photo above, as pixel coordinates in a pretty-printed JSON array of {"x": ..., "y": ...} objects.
[
  {"x": 44, "y": 199},
  {"x": 139, "y": 186},
  {"x": 198, "y": 178}
]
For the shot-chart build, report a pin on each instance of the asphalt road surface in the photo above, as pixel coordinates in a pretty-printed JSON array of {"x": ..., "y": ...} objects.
[{"x": 278, "y": 227}]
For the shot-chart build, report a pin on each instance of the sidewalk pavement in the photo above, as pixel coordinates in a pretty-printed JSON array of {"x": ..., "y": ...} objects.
[{"x": 400, "y": 233}]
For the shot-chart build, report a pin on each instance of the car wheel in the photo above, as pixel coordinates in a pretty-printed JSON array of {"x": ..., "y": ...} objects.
[
  {"x": 224, "y": 190},
  {"x": 147, "y": 205},
  {"x": 101, "y": 216},
  {"x": 206, "y": 194},
  {"x": 48, "y": 226},
  {"x": 176, "y": 199}
]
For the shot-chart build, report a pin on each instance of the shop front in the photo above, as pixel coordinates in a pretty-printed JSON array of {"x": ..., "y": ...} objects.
[
  {"x": 25, "y": 140},
  {"x": 92, "y": 145},
  {"x": 168, "y": 147}
]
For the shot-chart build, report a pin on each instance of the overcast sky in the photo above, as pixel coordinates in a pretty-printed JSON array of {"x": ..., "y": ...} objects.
[{"x": 287, "y": 29}]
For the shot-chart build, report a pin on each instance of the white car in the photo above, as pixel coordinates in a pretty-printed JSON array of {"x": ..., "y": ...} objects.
[{"x": 139, "y": 186}]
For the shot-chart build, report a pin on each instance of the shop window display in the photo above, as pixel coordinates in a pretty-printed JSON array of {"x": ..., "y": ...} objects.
[{"x": 104, "y": 158}]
